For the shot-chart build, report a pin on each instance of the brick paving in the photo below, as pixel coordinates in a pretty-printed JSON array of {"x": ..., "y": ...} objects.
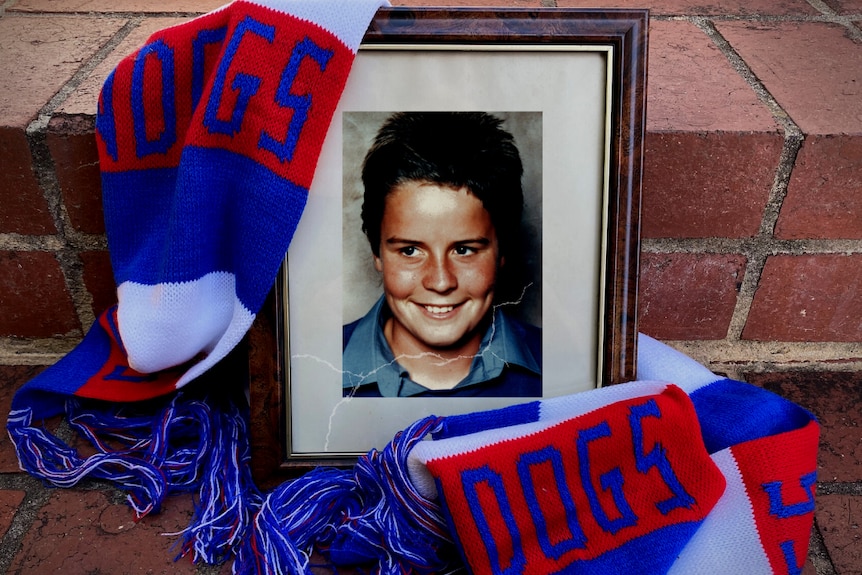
[
  {"x": 836, "y": 400},
  {"x": 753, "y": 154},
  {"x": 89, "y": 529},
  {"x": 751, "y": 224}
]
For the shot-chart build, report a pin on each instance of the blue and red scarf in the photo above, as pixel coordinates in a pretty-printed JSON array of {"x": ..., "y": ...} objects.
[
  {"x": 208, "y": 139},
  {"x": 702, "y": 475}
]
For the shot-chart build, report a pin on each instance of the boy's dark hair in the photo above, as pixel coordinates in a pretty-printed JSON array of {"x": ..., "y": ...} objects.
[{"x": 456, "y": 149}]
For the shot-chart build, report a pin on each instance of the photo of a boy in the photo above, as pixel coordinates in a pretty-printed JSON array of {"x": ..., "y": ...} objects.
[{"x": 441, "y": 209}]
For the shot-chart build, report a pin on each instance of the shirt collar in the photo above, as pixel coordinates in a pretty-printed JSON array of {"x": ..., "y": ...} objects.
[{"x": 371, "y": 360}]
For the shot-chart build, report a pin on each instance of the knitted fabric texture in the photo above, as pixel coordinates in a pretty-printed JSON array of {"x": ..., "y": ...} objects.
[
  {"x": 208, "y": 138},
  {"x": 707, "y": 476}
]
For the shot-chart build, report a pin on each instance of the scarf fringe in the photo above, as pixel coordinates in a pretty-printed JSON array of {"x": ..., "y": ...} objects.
[
  {"x": 291, "y": 519},
  {"x": 395, "y": 525},
  {"x": 45, "y": 456},
  {"x": 189, "y": 445},
  {"x": 370, "y": 515},
  {"x": 227, "y": 495}
]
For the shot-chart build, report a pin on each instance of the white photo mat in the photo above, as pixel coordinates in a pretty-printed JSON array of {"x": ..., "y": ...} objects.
[{"x": 570, "y": 87}]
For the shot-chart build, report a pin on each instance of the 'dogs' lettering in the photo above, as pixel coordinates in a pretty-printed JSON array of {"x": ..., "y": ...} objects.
[
  {"x": 105, "y": 118},
  {"x": 550, "y": 456},
  {"x": 300, "y": 103},
  {"x": 656, "y": 458},
  {"x": 199, "y": 45},
  {"x": 777, "y": 506},
  {"x": 161, "y": 145},
  {"x": 612, "y": 480},
  {"x": 779, "y": 509},
  {"x": 470, "y": 479},
  {"x": 245, "y": 84}
]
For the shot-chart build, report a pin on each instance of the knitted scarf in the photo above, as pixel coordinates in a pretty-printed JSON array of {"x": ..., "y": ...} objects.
[
  {"x": 706, "y": 476},
  {"x": 208, "y": 139}
]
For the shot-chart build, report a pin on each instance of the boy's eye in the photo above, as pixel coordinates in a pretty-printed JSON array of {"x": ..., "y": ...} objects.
[
  {"x": 408, "y": 251},
  {"x": 464, "y": 250}
]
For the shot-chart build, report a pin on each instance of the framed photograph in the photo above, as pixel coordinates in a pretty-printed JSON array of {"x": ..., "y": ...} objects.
[{"x": 508, "y": 278}]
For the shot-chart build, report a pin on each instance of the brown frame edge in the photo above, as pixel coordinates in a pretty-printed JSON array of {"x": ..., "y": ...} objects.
[{"x": 626, "y": 31}]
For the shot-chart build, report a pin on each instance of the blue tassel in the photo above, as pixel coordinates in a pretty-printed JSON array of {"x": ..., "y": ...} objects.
[
  {"x": 292, "y": 519},
  {"x": 172, "y": 440},
  {"x": 396, "y": 526},
  {"x": 370, "y": 515},
  {"x": 44, "y": 456},
  {"x": 227, "y": 495},
  {"x": 189, "y": 445}
]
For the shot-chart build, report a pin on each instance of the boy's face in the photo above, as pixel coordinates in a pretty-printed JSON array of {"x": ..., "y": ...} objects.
[{"x": 439, "y": 258}]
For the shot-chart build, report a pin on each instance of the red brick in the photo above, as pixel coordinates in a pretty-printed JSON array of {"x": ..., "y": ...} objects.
[
  {"x": 813, "y": 69},
  {"x": 99, "y": 279},
  {"x": 39, "y": 55},
  {"x": 688, "y": 296},
  {"x": 488, "y": 3},
  {"x": 712, "y": 147},
  {"x": 713, "y": 184},
  {"x": 12, "y": 377},
  {"x": 81, "y": 104},
  {"x": 688, "y": 7},
  {"x": 808, "y": 298},
  {"x": 23, "y": 209},
  {"x": 193, "y": 6},
  {"x": 699, "y": 7},
  {"x": 9, "y": 502},
  {"x": 34, "y": 301},
  {"x": 83, "y": 532},
  {"x": 76, "y": 161},
  {"x": 824, "y": 198},
  {"x": 692, "y": 87},
  {"x": 833, "y": 397},
  {"x": 838, "y": 517},
  {"x": 845, "y": 7}
]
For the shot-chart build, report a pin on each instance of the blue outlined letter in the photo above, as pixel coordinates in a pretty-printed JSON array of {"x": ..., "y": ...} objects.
[
  {"x": 469, "y": 479},
  {"x": 143, "y": 146},
  {"x": 552, "y": 456},
  {"x": 656, "y": 458},
  {"x": 790, "y": 558},
  {"x": 105, "y": 124},
  {"x": 300, "y": 103},
  {"x": 203, "y": 39},
  {"x": 782, "y": 511},
  {"x": 245, "y": 84},
  {"x": 612, "y": 480},
  {"x": 776, "y": 501}
]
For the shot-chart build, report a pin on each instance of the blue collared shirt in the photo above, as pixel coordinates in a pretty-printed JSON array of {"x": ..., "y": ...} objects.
[{"x": 507, "y": 346}]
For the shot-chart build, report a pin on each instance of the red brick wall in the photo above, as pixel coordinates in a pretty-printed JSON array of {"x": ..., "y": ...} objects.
[{"x": 752, "y": 205}]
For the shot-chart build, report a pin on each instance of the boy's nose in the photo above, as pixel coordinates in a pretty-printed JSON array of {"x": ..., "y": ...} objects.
[{"x": 439, "y": 276}]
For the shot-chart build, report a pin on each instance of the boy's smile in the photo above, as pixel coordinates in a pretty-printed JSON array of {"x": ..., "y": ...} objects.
[{"x": 439, "y": 258}]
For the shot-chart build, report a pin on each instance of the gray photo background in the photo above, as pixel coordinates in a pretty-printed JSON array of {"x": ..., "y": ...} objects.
[{"x": 362, "y": 283}]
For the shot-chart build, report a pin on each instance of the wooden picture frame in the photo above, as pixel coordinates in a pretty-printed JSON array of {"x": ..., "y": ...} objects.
[{"x": 428, "y": 39}]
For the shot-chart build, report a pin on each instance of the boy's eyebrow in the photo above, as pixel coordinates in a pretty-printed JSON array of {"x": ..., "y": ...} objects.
[
  {"x": 397, "y": 240},
  {"x": 480, "y": 240}
]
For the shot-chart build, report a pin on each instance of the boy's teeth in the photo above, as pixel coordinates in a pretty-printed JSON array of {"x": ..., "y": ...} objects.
[{"x": 438, "y": 309}]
